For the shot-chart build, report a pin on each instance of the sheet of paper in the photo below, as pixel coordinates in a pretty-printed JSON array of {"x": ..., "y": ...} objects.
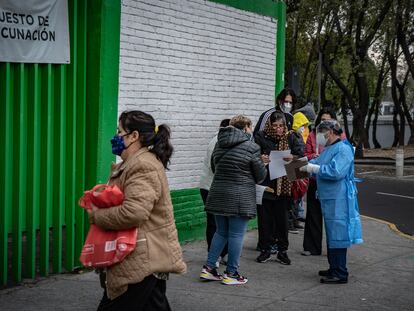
[
  {"x": 277, "y": 164},
  {"x": 259, "y": 194}
]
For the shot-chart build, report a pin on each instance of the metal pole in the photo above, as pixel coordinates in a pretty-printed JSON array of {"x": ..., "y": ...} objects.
[{"x": 399, "y": 162}]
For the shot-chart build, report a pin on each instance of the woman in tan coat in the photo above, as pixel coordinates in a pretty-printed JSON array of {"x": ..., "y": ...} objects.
[{"x": 139, "y": 281}]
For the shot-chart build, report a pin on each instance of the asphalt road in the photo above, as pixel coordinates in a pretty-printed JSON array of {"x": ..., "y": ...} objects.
[{"x": 388, "y": 199}]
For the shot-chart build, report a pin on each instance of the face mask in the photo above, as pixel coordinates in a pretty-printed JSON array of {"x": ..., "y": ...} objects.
[
  {"x": 287, "y": 107},
  {"x": 321, "y": 139},
  {"x": 301, "y": 130},
  {"x": 118, "y": 144},
  {"x": 249, "y": 136}
]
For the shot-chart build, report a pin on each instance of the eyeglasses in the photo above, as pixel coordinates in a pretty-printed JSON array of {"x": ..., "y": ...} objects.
[{"x": 278, "y": 126}]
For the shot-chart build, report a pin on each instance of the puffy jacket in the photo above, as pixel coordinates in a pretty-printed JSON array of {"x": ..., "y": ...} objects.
[
  {"x": 147, "y": 206},
  {"x": 237, "y": 168}
]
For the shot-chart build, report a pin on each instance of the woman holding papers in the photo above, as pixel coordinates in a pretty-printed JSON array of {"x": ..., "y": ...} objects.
[{"x": 277, "y": 199}]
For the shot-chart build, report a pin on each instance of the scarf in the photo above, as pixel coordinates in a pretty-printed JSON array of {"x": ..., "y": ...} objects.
[{"x": 282, "y": 186}]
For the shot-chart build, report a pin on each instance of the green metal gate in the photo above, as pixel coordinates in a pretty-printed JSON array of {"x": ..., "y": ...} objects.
[{"x": 55, "y": 121}]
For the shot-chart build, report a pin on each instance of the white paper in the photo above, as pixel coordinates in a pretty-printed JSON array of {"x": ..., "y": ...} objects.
[
  {"x": 277, "y": 164},
  {"x": 259, "y": 194}
]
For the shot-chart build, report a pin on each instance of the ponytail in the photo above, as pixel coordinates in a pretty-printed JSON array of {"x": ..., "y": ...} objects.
[
  {"x": 161, "y": 146},
  {"x": 157, "y": 139}
]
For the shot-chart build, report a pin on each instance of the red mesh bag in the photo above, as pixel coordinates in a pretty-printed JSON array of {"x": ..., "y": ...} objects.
[
  {"x": 299, "y": 188},
  {"x": 104, "y": 248}
]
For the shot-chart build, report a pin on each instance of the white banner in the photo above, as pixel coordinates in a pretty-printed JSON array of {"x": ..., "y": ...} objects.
[{"x": 34, "y": 31}]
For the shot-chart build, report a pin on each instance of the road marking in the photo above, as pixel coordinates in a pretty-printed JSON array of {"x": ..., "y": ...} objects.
[
  {"x": 396, "y": 195},
  {"x": 370, "y": 172}
]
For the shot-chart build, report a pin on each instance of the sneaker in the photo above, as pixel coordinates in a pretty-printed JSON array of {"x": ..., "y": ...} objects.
[
  {"x": 306, "y": 253},
  {"x": 233, "y": 279},
  {"x": 210, "y": 274},
  {"x": 299, "y": 226},
  {"x": 283, "y": 258},
  {"x": 293, "y": 230},
  {"x": 273, "y": 249},
  {"x": 264, "y": 256},
  {"x": 223, "y": 261}
]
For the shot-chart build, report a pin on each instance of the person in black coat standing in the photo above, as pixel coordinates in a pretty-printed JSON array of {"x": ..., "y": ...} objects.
[
  {"x": 277, "y": 199},
  {"x": 237, "y": 167}
]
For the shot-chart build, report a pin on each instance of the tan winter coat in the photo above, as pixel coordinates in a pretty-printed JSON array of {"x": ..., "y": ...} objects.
[{"x": 147, "y": 206}]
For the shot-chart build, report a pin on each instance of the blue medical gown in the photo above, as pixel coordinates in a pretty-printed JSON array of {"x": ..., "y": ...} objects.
[{"x": 337, "y": 193}]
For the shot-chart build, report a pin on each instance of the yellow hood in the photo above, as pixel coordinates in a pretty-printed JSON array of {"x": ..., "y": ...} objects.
[{"x": 299, "y": 119}]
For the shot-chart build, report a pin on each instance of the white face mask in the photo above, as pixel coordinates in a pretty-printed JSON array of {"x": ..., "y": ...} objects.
[
  {"x": 321, "y": 139},
  {"x": 301, "y": 130},
  {"x": 287, "y": 107}
]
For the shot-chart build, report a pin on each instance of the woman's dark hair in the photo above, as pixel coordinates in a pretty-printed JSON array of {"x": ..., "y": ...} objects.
[
  {"x": 158, "y": 141},
  {"x": 277, "y": 116},
  {"x": 282, "y": 95},
  {"x": 325, "y": 110}
]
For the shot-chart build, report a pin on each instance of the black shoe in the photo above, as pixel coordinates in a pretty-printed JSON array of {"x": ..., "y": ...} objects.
[
  {"x": 324, "y": 273},
  {"x": 301, "y": 219},
  {"x": 333, "y": 280},
  {"x": 283, "y": 258},
  {"x": 264, "y": 256}
]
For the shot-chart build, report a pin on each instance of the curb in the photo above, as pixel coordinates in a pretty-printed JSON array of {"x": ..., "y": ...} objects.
[{"x": 392, "y": 226}]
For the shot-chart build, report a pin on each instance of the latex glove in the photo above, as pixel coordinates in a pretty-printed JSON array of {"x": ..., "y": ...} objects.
[{"x": 310, "y": 168}]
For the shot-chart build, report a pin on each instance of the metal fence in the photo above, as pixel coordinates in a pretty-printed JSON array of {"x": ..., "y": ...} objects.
[{"x": 45, "y": 152}]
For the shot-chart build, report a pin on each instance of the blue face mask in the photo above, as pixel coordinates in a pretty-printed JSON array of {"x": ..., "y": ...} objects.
[
  {"x": 118, "y": 144},
  {"x": 250, "y": 136}
]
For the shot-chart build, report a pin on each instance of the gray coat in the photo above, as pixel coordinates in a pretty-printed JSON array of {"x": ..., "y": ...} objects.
[{"x": 237, "y": 168}]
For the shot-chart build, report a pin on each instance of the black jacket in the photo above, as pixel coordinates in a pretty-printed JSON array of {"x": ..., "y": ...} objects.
[
  {"x": 268, "y": 144},
  {"x": 237, "y": 168}
]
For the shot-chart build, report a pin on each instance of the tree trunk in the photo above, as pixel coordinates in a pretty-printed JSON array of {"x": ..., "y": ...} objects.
[
  {"x": 374, "y": 126},
  {"x": 359, "y": 133},
  {"x": 368, "y": 123},
  {"x": 405, "y": 110},
  {"x": 344, "y": 111},
  {"x": 395, "y": 124}
]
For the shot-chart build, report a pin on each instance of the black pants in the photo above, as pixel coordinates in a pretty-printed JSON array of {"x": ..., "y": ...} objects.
[
  {"x": 148, "y": 295},
  {"x": 312, "y": 239},
  {"x": 337, "y": 263},
  {"x": 211, "y": 224},
  {"x": 272, "y": 219}
]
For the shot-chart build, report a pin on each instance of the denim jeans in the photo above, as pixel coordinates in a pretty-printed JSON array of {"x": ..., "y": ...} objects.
[{"x": 231, "y": 230}]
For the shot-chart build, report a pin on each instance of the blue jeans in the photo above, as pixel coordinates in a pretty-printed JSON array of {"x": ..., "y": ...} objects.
[
  {"x": 337, "y": 263},
  {"x": 231, "y": 230}
]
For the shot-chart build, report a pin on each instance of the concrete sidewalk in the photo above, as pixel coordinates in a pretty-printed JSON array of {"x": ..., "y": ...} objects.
[{"x": 381, "y": 278}]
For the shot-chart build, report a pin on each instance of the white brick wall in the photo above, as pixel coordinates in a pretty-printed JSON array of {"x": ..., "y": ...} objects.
[{"x": 191, "y": 63}]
